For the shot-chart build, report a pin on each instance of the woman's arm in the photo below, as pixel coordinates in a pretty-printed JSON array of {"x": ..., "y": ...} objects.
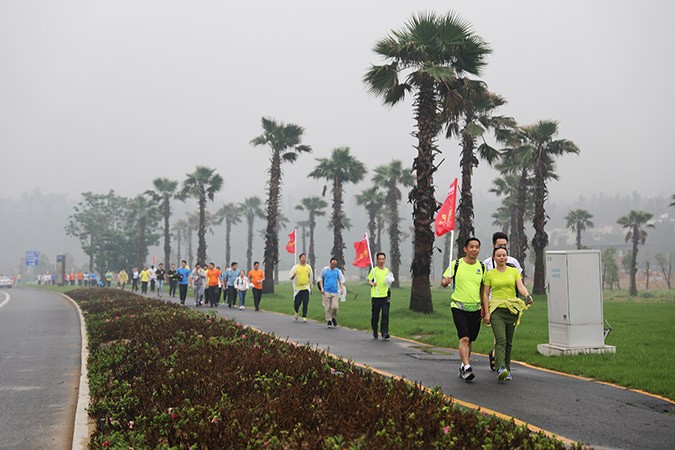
[{"x": 523, "y": 291}]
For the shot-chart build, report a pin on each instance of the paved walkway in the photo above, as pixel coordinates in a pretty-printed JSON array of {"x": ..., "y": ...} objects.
[{"x": 579, "y": 409}]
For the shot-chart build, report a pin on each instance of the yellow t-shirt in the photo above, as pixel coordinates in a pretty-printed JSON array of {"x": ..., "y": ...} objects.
[
  {"x": 503, "y": 284},
  {"x": 303, "y": 277},
  {"x": 379, "y": 276},
  {"x": 145, "y": 275},
  {"x": 469, "y": 277}
]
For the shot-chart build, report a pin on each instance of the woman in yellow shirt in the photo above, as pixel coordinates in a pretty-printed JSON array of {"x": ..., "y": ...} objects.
[{"x": 505, "y": 308}]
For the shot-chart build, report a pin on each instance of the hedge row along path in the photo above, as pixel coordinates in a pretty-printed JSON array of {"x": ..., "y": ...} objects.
[{"x": 576, "y": 408}]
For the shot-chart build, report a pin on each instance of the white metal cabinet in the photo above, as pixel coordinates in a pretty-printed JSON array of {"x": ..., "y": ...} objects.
[{"x": 574, "y": 298}]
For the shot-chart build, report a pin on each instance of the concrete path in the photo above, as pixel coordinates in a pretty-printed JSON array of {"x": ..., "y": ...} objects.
[
  {"x": 39, "y": 369},
  {"x": 578, "y": 409}
]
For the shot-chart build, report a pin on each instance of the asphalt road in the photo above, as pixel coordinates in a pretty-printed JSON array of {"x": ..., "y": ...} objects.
[
  {"x": 579, "y": 409},
  {"x": 39, "y": 369}
]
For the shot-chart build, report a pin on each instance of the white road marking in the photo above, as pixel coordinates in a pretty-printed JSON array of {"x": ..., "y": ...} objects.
[{"x": 7, "y": 297}]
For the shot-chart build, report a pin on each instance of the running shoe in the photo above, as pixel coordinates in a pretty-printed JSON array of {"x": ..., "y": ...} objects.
[
  {"x": 466, "y": 374},
  {"x": 502, "y": 374}
]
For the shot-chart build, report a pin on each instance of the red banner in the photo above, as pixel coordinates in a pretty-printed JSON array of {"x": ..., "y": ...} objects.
[
  {"x": 445, "y": 217},
  {"x": 362, "y": 253},
  {"x": 290, "y": 247}
]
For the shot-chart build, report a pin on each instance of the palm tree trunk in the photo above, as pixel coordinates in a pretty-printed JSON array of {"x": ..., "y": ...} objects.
[
  {"x": 190, "y": 255},
  {"x": 178, "y": 243},
  {"x": 271, "y": 235},
  {"x": 372, "y": 226},
  {"x": 338, "y": 243},
  {"x": 578, "y": 236},
  {"x": 380, "y": 227},
  {"x": 518, "y": 240},
  {"x": 394, "y": 239},
  {"x": 312, "y": 255},
  {"x": 249, "y": 242},
  {"x": 167, "y": 231},
  {"x": 446, "y": 252},
  {"x": 201, "y": 232},
  {"x": 422, "y": 197},
  {"x": 633, "y": 262},
  {"x": 228, "y": 248},
  {"x": 540, "y": 239},
  {"x": 465, "y": 209}
]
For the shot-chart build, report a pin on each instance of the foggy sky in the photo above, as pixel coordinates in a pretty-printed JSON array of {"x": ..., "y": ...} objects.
[{"x": 110, "y": 95}]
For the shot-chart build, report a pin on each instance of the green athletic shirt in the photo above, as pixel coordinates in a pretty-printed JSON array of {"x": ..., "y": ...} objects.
[
  {"x": 468, "y": 279},
  {"x": 503, "y": 284},
  {"x": 379, "y": 275}
]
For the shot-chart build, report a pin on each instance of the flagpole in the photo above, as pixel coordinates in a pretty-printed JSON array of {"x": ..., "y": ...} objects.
[
  {"x": 452, "y": 242},
  {"x": 370, "y": 255},
  {"x": 295, "y": 246}
]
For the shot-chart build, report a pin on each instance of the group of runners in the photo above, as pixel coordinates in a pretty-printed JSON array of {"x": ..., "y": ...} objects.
[{"x": 486, "y": 291}]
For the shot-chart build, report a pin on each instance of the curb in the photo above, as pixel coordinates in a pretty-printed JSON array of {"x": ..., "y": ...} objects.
[{"x": 81, "y": 429}]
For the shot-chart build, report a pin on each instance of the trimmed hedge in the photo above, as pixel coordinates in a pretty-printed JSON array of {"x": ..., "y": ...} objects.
[{"x": 163, "y": 376}]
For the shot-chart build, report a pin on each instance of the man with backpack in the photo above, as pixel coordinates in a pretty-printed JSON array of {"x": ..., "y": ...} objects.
[{"x": 466, "y": 275}]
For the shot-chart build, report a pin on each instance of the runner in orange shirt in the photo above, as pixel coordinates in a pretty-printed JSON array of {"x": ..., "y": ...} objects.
[
  {"x": 212, "y": 277},
  {"x": 256, "y": 276}
]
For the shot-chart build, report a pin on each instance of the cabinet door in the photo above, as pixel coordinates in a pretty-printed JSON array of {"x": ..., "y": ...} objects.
[
  {"x": 558, "y": 295},
  {"x": 585, "y": 288}
]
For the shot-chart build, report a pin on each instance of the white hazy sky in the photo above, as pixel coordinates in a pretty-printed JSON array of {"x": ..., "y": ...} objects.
[{"x": 101, "y": 95}]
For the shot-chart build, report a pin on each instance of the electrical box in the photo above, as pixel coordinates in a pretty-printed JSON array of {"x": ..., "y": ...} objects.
[{"x": 574, "y": 290}]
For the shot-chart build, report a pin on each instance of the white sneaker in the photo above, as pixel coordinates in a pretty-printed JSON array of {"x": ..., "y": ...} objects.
[
  {"x": 242, "y": 307},
  {"x": 295, "y": 316},
  {"x": 304, "y": 319}
]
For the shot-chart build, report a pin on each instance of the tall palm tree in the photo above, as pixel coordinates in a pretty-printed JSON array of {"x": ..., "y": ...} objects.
[
  {"x": 341, "y": 168},
  {"x": 144, "y": 216},
  {"x": 231, "y": 214},
  {"x": 180, "y": 231},
  {"x": 251, "y": 208},
  {"x": 315, "y": 208},
  {"x": 579, "y": 220},
  {"x": 372, "y": 199},
  {"x": 635, "y": 222},
  {"x": 202, "y": 184},
  {"x": 543, "y": 149},
  {"x": 516, "y": 172},
  {"x": 389, "y": 177},
  {"x": 284, "y": 141},
  {"x": 165, "y": 190},
  {"x": 469, "y": 120},
  {"x": 428, "y": 53}
]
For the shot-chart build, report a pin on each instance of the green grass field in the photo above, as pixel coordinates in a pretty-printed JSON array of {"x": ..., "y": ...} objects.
[{"x": 642, "y": 331}]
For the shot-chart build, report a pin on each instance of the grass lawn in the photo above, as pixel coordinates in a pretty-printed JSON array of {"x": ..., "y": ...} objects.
[{"x": 642, "y": 331}]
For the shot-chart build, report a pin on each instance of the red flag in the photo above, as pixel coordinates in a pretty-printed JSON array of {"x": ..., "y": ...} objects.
[
  {"x": 290, "y": 247},
  {"x": 445, "y": 218},
  {"x": 362, "y": 253}
]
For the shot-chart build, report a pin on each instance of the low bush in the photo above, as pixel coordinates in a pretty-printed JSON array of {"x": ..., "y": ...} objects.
[{"x": 162, "y": 376}]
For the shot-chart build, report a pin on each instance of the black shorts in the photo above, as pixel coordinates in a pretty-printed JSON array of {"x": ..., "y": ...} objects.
[{"x": 467, "y": 323}]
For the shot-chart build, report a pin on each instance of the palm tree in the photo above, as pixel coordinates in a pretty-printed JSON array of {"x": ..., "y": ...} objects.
[
  {"x": 579, "y": 220},
  {"x": 284, "y": 140},
  {"x": 542, "y": 152},
  {"x": 229, "y": 213},
  {"x": 341, "y": 168},
  {"x": 180, "y": 230},
  {"x": 431, "y": 51},
  {"x": 315, "y": 208},
  {"x": 144, "y": 215},
  {"x": 251, "y": 208},
  {"x": 469, "y": 120},
  {"x": 672, "y": 205},
  {"x": 635, "y": 222},
  {"x": 373, "y": 201},
  {"x": 165, "y": 190},
  {"x": 505, "y": 186},
  {"x": 516, "y": 174},
  {"x": 389, "y": 177},
  {"x": 202, "y": 184}
]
